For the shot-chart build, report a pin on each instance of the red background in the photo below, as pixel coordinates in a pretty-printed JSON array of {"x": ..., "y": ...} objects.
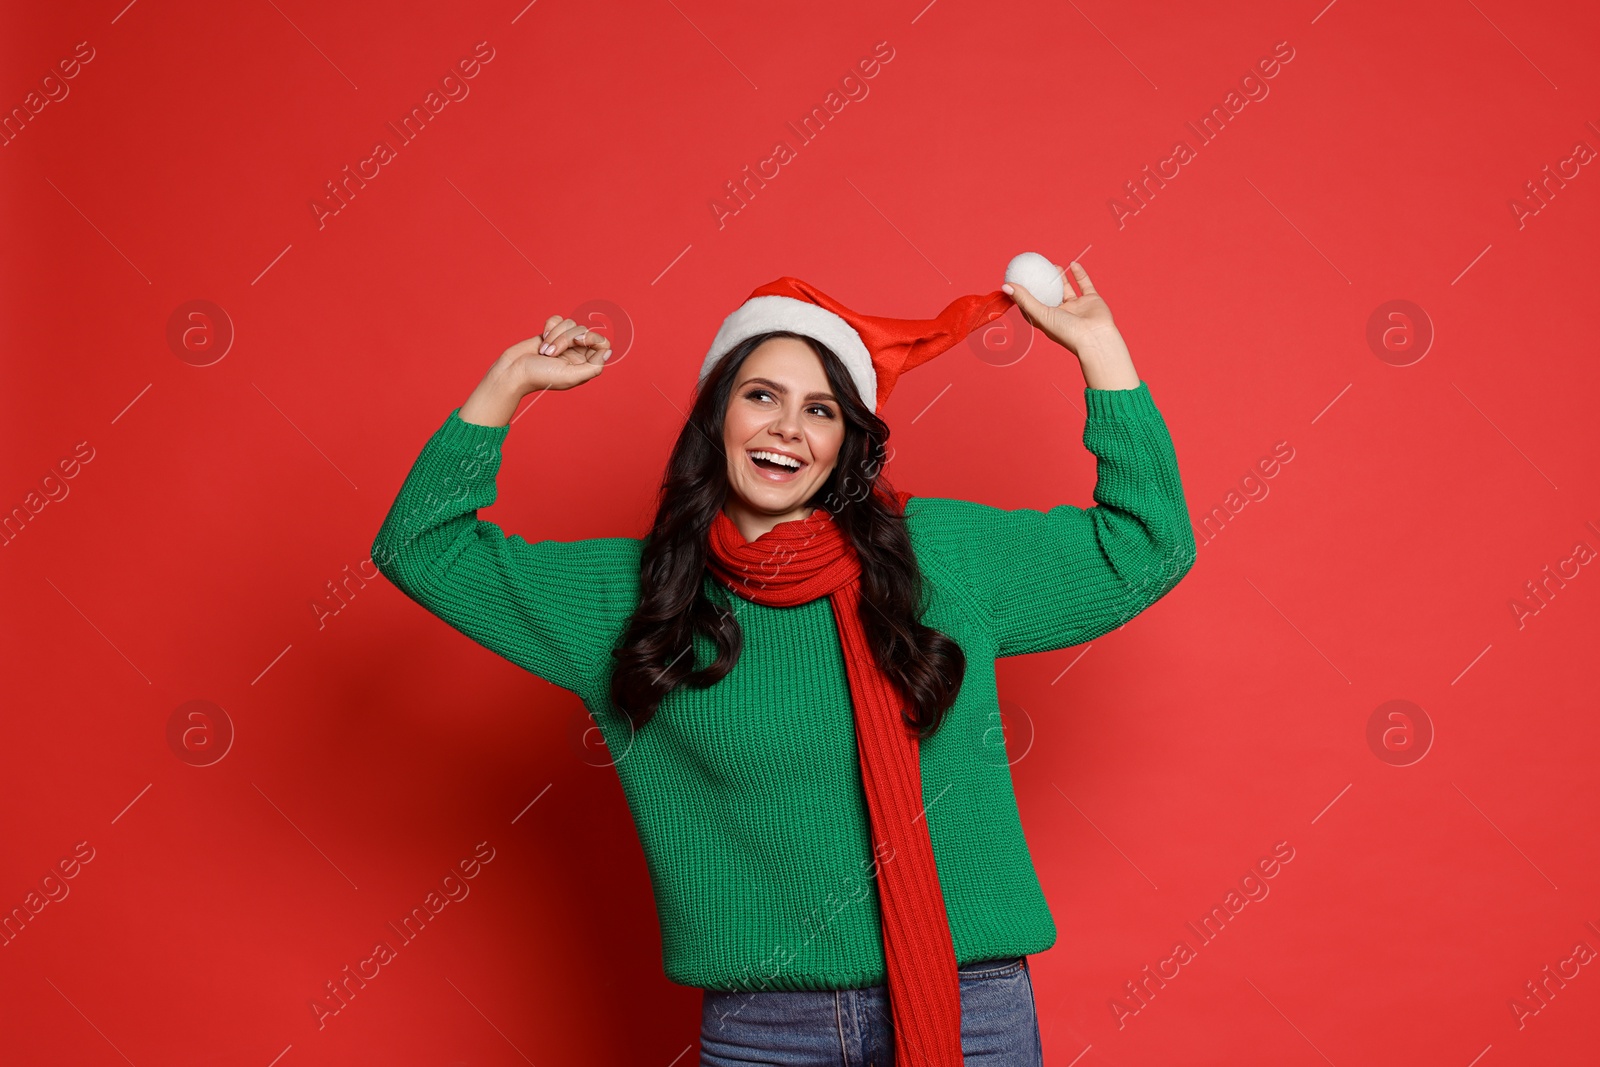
[{"x": 375, "y": 750}]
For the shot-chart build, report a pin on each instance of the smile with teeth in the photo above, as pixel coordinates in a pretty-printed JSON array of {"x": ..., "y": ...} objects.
[{"x": 775, "y": 465}]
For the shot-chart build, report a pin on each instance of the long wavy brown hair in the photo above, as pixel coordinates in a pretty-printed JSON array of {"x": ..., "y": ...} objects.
[{"x": 678, "y": 600}]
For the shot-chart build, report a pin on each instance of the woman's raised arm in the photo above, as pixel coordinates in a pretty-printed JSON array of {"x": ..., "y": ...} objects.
[
  {"x": 1056, "y": 578},
  {"x": 551, "y": 607}
]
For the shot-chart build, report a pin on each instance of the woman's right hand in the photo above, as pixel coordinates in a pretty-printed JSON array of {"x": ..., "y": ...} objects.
[{"x": 564, "y": 355}]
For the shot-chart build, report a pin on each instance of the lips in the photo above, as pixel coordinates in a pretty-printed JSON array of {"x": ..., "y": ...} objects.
[{"x": 773, "y": 474}]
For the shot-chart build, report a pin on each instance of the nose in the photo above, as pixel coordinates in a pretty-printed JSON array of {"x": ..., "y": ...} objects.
[{"x": 786, "y": 424}]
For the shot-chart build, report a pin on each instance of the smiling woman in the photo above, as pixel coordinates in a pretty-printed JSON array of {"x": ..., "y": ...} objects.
[
  {"x": 775, "y": 395},
  {"x": 781, "y": 432},
  {"x": 796, "y": 662}
]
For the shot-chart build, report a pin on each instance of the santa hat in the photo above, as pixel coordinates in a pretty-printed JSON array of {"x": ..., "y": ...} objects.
[{"x": 877, "y": 350}]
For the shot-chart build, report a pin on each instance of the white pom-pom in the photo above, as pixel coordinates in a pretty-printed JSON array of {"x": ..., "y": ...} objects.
[{"x": 1039, "y": 276}]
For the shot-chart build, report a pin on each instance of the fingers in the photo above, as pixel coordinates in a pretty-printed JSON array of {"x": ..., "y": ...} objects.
[
  {"x": 1026, "y": 302},
  {"x": 598, "y": 347},
  {"x": 558, "y": 333},
  {"x": 574, "y": 343},
  {"x": 1033, "y": 307},
  {"x": 1066, "y": 286},
  {"x": 567, "y": 335},
  {"x": 1085, "y": 286}
]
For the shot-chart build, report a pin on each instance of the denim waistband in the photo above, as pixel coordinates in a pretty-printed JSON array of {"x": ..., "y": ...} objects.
[{"x": 998, "y": 961}]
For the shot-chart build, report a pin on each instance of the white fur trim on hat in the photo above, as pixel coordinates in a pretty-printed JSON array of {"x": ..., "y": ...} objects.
[{"x": 761, "y": 314}]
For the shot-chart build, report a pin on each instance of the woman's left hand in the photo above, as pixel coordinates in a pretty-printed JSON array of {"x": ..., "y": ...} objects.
[
  {"x": 1076, "y": 321},
  {"x": 1083, "y": 326}
]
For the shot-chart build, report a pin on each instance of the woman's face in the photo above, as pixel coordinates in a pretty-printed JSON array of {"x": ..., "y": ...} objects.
[{"x": 781, "y": 403}]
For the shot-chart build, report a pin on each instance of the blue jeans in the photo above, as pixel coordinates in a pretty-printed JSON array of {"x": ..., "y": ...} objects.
[{"x": 853, "y": 1027}]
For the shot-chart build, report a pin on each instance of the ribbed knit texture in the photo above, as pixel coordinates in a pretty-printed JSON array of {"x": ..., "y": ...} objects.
[
  {"x": 747, "y": 796},
  {"x": 794, "y": 563},
  {"x": 925, "y": 989}
]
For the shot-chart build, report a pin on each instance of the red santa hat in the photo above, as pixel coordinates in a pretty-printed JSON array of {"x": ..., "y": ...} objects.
[{"x": 877, "y": 350}]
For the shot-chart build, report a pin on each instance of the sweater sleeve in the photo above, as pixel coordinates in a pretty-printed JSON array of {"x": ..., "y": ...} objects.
[
  {"x": 551, "y": 607},
  {"x": 1056, "y": 578}
]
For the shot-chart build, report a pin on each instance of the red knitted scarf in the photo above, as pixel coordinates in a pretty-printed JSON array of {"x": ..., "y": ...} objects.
[{"x": 794, "y": 563}]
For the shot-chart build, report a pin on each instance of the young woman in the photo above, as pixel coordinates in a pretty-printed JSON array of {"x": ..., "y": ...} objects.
[{"x": 794, "y": 669}]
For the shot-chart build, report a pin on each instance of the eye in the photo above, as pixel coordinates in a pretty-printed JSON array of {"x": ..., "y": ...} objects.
[{"x": 758, "y": 391}]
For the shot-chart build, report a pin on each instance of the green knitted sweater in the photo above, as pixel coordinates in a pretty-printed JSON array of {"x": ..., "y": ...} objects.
[{"x": 747, "y": 795}]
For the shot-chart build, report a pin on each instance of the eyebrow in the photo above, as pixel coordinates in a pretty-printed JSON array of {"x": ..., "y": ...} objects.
[{"x": 781, "y": 388}]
